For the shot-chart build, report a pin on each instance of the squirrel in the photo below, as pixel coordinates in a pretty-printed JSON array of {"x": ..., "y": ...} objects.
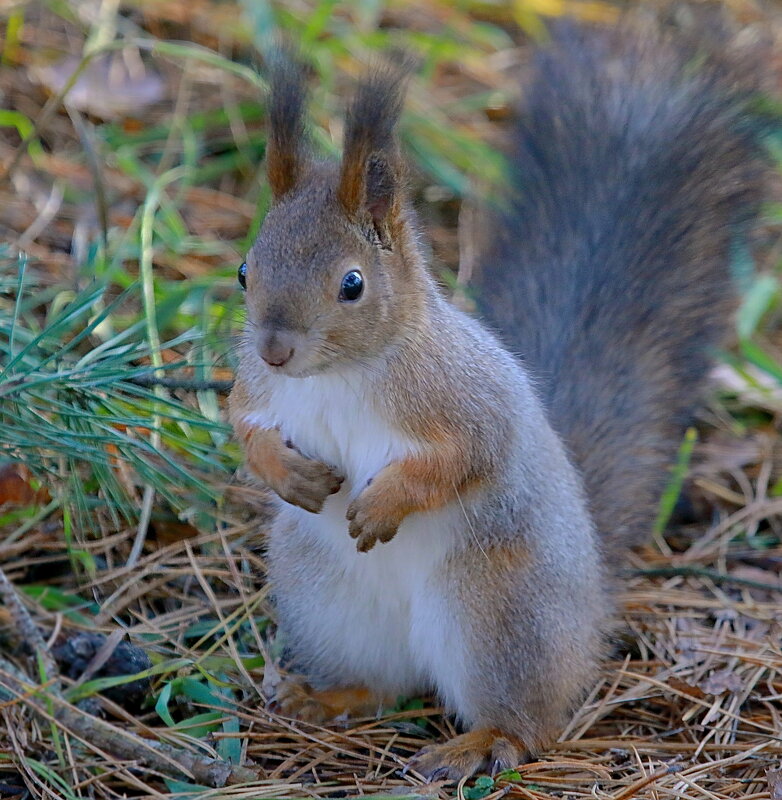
[{"x": 454, "y": 493}]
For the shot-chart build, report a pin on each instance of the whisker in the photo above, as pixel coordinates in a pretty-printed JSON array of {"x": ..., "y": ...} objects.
[{"x": 469, "y": 523}]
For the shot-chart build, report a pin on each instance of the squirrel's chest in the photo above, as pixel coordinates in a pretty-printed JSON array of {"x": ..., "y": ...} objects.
[{"x": 333, "y": 418}]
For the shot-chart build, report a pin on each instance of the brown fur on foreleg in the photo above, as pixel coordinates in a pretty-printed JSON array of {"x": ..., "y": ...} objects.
[
  {"x": 418, "y": 483},
  {"x": 297, "y": 479}
]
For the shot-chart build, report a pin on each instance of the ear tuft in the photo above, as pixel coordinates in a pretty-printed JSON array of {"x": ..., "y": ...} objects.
[
  {"x": 372, "y": 171},
  {"x": 286, "y": 155}
]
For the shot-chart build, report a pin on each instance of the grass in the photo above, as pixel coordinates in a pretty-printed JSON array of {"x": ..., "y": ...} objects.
[{"x": 118, "y": 307}]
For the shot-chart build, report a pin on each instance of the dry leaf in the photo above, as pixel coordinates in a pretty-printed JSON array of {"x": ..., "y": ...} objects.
[
  {"x": 168, "y": 531},
  {"x": 16, "y": 486},
  {"x": 111, "y": 86},
  {"x": 685, "y": 688}
]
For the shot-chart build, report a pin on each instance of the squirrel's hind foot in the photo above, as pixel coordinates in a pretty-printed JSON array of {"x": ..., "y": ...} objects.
[
  {"x": 482, "y": 750},
  {"x": 294, "y": 697}
]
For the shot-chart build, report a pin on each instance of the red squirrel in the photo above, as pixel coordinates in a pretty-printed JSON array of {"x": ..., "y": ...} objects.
[{"x": 450, "y": 512}]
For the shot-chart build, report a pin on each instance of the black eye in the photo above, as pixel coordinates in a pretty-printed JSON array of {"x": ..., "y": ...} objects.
[
  {"x": 242, "y": 275},
  {"x": 352, "y": 286}
]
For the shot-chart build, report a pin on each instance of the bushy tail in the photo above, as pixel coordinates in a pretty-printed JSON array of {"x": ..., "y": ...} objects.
[{"x": 610, "y": 271}]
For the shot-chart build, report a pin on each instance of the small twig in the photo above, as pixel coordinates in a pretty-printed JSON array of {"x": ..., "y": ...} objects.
[
  {"x": 143, "y": 526},
  {"x": 703, "y": 572},
  {"x": 177, "y": 120},
  {"x": 187, "y": 384},
  {"x": 28, "y": 631},
  {"x": 45, "y": 215},
  {"x": 86, "y": 137},
  {"x": 632, "y": 790},
  {"x": 147, "y": 381},
  {"x": 102, "y": 736}
]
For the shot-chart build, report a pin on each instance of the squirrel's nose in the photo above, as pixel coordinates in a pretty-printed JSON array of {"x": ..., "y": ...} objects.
[{"x": 276, "y": 349}]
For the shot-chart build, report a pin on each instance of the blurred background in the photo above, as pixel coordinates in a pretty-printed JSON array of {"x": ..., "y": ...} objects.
[
  {"x": 132, "y": 137},
  {"x": 131, "y": 142}
]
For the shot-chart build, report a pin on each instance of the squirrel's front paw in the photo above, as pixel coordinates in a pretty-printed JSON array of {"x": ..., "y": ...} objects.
[
  {"x": 371, "y": 520},
  {"x": 297, "y": 479},
  {"x": 306, "y": 482}
]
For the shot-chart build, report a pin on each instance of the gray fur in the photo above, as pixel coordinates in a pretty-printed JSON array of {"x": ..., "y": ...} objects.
[{"x": 609, "y": 273}]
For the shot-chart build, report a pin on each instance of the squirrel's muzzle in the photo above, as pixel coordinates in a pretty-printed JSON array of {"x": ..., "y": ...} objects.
[{"x": 277, "y": 347}]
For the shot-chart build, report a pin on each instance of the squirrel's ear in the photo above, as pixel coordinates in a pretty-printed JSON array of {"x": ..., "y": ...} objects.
[
  {"x": 286, "y": 154},
  {"x": 372, "y": 171}
]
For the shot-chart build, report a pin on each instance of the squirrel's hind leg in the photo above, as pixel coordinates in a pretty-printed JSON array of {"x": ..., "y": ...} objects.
[{"x": 527, "y": 642}]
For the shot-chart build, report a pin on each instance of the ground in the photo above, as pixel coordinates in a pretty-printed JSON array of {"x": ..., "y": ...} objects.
[{"x": 154, "y": 186}]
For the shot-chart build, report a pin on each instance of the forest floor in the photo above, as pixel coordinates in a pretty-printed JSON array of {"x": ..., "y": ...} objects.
[{"x": 124, "y": 213}]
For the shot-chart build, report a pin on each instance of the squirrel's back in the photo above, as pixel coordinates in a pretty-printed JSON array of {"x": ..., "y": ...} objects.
[{"x": 637, "y": 174}]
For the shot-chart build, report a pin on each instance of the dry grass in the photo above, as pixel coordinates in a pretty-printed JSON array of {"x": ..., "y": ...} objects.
[{"x": 689, "y": 707}]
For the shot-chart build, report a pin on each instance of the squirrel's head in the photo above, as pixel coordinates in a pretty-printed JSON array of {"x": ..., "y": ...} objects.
[{"x": 334, "y": 275}]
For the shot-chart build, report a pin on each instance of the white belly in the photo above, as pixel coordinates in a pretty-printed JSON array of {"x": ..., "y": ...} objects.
[{"x": 370, "y": 618}]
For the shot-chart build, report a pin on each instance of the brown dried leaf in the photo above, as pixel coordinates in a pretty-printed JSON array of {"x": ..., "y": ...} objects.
[
  {"x": 685, "y": 688},
  {"x": 168, "y": 531},
  {"x": 16, "y": 486}
]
